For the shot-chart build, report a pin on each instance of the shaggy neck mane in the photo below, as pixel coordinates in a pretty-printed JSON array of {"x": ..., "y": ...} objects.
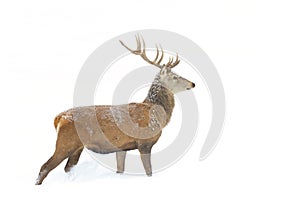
[{"x": 160, "y": 95}]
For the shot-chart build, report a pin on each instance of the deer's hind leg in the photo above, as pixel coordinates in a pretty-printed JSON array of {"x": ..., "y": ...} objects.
[
  {"x": 52, "y": 163},
  {"x": 66, "y": 144},
  {"x": 73, "y": 159}
]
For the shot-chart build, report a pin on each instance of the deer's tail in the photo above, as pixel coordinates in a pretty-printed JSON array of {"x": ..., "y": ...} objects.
[
  {"x": 61, "y": 119},
  {"x": 56, "y": 121}
]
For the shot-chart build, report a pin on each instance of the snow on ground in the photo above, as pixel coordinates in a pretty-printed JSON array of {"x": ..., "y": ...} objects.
[{"x": 89, "y": 180}]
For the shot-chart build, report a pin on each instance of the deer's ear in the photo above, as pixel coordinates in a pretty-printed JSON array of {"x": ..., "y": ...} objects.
[{"x": 164, "y": 71}]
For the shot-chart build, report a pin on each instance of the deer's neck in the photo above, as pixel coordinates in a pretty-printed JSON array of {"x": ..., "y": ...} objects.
[{"x": 162, "y": 96}]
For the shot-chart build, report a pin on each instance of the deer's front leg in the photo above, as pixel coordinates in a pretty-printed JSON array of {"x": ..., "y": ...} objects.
[
  {"x": 145, "y": 152},
  {"x": 120, "y": 155}
]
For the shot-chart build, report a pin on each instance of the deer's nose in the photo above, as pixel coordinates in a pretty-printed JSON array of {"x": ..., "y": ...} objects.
[{"x": 193, "y": 85}]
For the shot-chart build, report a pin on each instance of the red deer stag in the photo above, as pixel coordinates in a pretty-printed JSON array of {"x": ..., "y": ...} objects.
[{"x": 119, "y": 128}]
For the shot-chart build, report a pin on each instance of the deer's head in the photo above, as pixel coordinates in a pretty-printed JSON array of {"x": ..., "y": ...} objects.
[
  {"x": 174, "y": 82},
  {"x": 167, "y": 78}
]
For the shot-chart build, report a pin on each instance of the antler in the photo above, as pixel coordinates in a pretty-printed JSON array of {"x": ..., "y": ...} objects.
[{"x": 141, "y": 50}]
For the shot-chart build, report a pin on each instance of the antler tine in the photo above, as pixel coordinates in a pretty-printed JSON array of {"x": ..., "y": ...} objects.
[
  {"x": 138, "y": 42},
  {"x": 157, "y": 54},
  {"x": 162, "y": 55},
  {"x": 177, "y": 60},
  {"x": 138, "y": 50},
  {"x": 132, "y": 51},
  {"x": 169, "y": 62},
  {"x": 143, "y": 44},
  {"x": 141, "y": 50},
  {"x": 175, "y": 63}
]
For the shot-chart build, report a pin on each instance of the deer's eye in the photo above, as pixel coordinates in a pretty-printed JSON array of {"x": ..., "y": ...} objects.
[{"x": 175, "y": 77}]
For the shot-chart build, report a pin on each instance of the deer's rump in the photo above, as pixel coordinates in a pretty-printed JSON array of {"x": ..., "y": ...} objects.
[{"x": 105, "y": 129}]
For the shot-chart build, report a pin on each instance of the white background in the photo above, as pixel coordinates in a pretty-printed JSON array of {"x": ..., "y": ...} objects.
[{"x": 255, "y": 46}]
